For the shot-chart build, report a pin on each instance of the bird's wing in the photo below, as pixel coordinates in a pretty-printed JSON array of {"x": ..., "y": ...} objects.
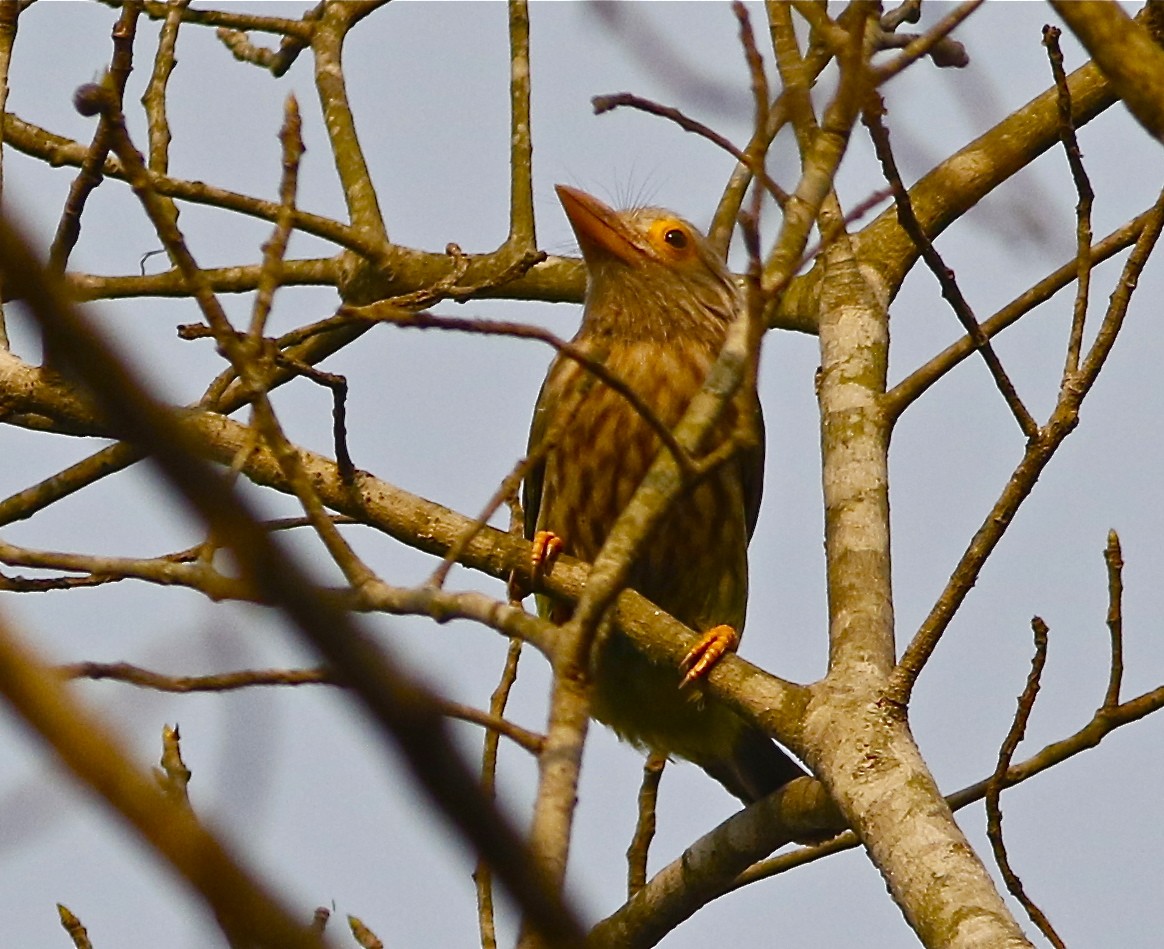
[
  {"x": 531, "y": 489},
  {"x": 751, "y": 463}
]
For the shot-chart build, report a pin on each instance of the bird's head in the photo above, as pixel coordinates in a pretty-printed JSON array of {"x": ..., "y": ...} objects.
[{"x": 651, "y": 273}]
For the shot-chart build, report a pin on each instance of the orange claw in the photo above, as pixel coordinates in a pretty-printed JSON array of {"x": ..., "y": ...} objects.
[
  {"x": 712, "y": 647},
  {"x": 546, "y": 546}
]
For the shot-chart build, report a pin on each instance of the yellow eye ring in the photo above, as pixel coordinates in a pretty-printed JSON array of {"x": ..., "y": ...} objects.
[{"x": 672, "y": 237}]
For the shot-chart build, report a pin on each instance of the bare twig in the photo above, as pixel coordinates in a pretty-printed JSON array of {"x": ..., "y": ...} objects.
[
  {"x": 278, "y": 61},
  {"x": 95, "y": 99},
  {"x": 526, "y": 331},
  {"x": 74, "y": 927},
  {"x": 1102, "y": 724},
  {"x": 756, "y": 151},
  {"x": 154, "y": 97},
  {"x": 505, "y": 491},
  {"x": 482, "y": 875},
  {"x": 872, "y": 117},
  {"x": 855, "y": 213},
  {"x": 708, "y": 867},
  {"x": 906, "y": 392},
  {"x": 365, "y": 938},
  {"x": 522, "y": 236},
  {"x": 1036, "y": 456},
  {"x": 275, "y": 249},
  {"x": 640, "y": 845},
  {"x": 1083, "y": 206},
  {"x": 1018, "y": 727},
  {"x": 617, "y": 100},
  {"x": 1114, "y": 559},
  {"x": 338, "y": 385},
  {"x": 319, "y": 919},
  {"x": 58, "y": 150},
  {"x": 934, "y": 43},
  {"x": 778, "y": 113},
  {"x": 327, "y": 40},
  {"x": 173, "y": 776},
  {"x": 90, "y": 175},
  {"x": 493, "y": 722},
  {"x": 217, "y": 682},
  {"x": 159, "y": 10},
  {"x": 794, "y": 74}
]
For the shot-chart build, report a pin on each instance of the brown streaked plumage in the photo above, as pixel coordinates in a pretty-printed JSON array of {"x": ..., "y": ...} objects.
[{"x": 658, "y": 304}]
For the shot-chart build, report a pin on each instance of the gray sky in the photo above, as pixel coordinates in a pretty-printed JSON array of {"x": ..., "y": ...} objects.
[{"x": 296, "y": 777}]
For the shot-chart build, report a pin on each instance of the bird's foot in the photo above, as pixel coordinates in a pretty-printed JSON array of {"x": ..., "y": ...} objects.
[
  {"x": 712, "y": 647},
  {"x": 546, "y": 547}
]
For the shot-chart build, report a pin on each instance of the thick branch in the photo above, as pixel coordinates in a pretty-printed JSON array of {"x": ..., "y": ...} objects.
[{"x": 1126, "y": 51}]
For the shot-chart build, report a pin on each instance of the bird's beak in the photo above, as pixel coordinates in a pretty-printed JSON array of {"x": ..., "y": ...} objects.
[{"x": 599, "y": 229}]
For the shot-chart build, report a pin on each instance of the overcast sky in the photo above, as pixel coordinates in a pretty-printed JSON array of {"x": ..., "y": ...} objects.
[{"x": 296, "y": 777}]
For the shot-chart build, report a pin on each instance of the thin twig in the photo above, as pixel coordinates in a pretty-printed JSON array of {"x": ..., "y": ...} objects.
[
  {"x": 872, "y": 117},
  {"x": 505, "y": 491},
  {"x": 819, "y": 167},
  {"x": 482, "y": 875},
  {"x": 1102, "y": 724},
  {"x": 492, "y": 721},
  {"x": 934, "y": 43},
  {"x": 243, "y": 278},
  {"x": 727, "y": 211},
  {"x": 525, "y": 331},
  {"x": 182, "y": 684},
  {"x": 59, "y": 150},
  {"x": 90, "y": 175},
  {"x": 319, "y": 920},
  {"x": 173, "y": 777},
  {"x": 159, "y": 10},
  {"x": 756, "y": 151},
  {"x": 617, "y": 100},
  {"x": 74, "y": 927},
  {"x": 794, "y": 74},
  {"x": 1114, "y": 559},
  {"x": 327, "y": 41},
  {"x": 240, "y": 352},
  {"x": 364, "y": 937},
  {"x": 1036, "y": 456},
  {"x": 917, "y": 383},
  {"x": 339, "y": 408},
  {"x": 277, "y": 62},
  {"x": 1083, "y": 206},
  {"x": 522, "y": 235},
  {"x": 275, "y": 248},
  {"x": 994, "y": 785},
  {"x": 153, "y": 99},
  {"x": 95, "y": 99},
  {"x": 854, "y": 214},
  {"x": 640, "y": 845}
]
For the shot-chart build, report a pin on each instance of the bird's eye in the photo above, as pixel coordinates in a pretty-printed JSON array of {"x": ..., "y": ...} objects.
[{"x": 672, "y": 238}]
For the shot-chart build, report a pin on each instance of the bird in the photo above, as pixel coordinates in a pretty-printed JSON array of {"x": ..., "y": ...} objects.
[{"x": 656, "y": 311}]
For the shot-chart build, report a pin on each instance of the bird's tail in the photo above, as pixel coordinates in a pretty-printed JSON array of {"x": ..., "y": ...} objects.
[{"x": 758, "y": 766}]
